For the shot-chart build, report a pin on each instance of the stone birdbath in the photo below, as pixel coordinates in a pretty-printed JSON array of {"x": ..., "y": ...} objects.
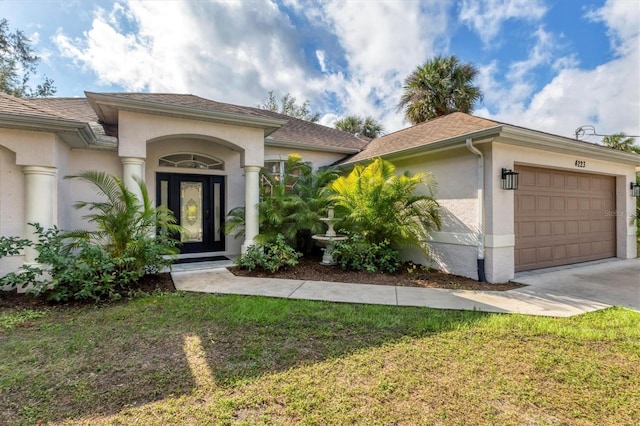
[{"x": 329, "y": 239}]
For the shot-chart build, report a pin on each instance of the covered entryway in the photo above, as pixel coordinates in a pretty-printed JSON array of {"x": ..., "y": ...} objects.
[
  {"x": 198, "y": 204},
  {"x": 563, "y": 217}
]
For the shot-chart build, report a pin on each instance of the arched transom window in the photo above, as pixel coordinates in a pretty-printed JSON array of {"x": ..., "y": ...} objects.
[{"x": 191, "y": 161}]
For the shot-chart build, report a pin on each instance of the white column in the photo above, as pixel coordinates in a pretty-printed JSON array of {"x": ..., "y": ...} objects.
[
  {"x": 251, "y": 199},
  {"x": 132, "y": 166},
  {"x": 40, "y": 203}
]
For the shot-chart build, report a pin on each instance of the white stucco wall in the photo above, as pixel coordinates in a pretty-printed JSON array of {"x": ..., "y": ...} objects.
[
  {"x": 453, "y": 249},
  {"x": 11, "y": 206},
  {"x": 19, "y": 149},
  {"x": 136, "y": 129},
  {"x": 70, "y": 191}
]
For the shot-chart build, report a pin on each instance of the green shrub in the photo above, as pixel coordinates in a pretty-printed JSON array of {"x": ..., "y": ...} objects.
[
  {"x": 269, "y": 256},
  {"x": 290, "y": 205},
  {"x": 356, "y": 253},
  {"x": 11, "y": 246},
  {"x": 375, "y": 202},
  {"x": 88, "y": 272},
  {"x": 131, "y": 238}
]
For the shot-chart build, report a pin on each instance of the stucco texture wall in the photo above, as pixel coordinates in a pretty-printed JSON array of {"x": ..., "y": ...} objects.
[{"x": 453, "y": 249}]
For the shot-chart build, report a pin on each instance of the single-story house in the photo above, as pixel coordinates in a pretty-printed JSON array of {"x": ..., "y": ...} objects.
[{"x": 202, "y": 158}]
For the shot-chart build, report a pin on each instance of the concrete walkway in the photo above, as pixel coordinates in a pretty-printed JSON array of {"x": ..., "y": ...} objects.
[{"x": 546, "y": 294}]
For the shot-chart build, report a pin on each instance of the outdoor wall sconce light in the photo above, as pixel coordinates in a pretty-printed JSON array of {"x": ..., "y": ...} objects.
[
  {"x": 509, "y": 179},
  {"x": 635, "y": 189}
]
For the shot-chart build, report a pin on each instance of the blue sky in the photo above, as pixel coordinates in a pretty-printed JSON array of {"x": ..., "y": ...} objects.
[{"x": 547, "y": 65}]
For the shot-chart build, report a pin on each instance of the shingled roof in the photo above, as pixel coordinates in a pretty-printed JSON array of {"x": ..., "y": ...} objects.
[
  {"x": 293, "y": 132},
  {"x": 11, "y": 105},
  {"x": 302, "y": 131},
  {"x": 453, "y": 125}
]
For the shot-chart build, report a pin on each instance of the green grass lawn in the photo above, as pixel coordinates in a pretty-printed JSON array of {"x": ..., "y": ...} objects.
[{"x": 207, "y": 359}]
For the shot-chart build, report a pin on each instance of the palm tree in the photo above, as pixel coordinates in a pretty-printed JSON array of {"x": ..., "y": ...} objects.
[
  {"x": 621, "y": 142},
  {"x": 439, "y": 87},
  {"x": 380, "y": 205},
  {"x": 128, "y": 228},
  {"x": 368, "y": 126}
]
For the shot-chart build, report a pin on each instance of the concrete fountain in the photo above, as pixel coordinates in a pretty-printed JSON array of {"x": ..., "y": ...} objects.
[{"x": 329, "y": 239}]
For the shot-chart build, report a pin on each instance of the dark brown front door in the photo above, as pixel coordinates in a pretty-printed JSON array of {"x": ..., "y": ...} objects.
[{"x": 197, "y": 201}]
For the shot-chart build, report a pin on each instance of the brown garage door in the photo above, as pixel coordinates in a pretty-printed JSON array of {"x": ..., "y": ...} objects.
[{"x": 563, "y": 217}]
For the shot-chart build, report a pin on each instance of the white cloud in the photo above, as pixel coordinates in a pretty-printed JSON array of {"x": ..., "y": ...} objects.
[
  {"x": 508, "y": 96},
  {"x": 360, "y": 53},
  {"x": 486, "y": 16},
  {"x": 321, "y": 60},
  {"x": 237, "y": 51},
  {"x": 607, "y": 96},
  {"x": 383, "y": 42},
  {"x": 227, "y": 51},
  {"x": 623, "y": 21}
]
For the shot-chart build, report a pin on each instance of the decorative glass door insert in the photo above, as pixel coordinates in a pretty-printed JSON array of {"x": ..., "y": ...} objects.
[{"x": 191, "y": 211}]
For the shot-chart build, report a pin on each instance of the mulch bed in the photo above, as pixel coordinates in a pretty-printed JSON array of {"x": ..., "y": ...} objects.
[
  {"x": 310, "y": 269},
  {"x": 148, "y": 284}
]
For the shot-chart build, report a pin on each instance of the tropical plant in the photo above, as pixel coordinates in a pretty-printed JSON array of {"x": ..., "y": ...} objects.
[
  {"x": 621, "y": 142},
  {"x": 269, "y": 256},
  {"x": 357, "y": 254},
  {"x": 131, "y": 238},
  {"x": 380, "y": 205},
  {"x": 17, "y": 63},
  {"x": 290, "y": 205},
  {"x": 127, "y": 227},
  {"x": 439, "y": 87},
  {"x": 368, "y": 126},
  {"x": 288, "y": 106}
]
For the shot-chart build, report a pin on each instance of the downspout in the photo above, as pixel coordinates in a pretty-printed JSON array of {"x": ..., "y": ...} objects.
[{"x": 480, "y": 186}]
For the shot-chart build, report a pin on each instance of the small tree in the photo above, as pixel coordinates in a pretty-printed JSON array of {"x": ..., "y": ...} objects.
[
  {"x": 380, "y": 205},
  {"x": 18, "y": 62},
  {"x": 290, "y": 205},
  {"x": 288, "y": 106},
  {"x": 127, "y": 227},
  {"x": 368, "y": 126}
]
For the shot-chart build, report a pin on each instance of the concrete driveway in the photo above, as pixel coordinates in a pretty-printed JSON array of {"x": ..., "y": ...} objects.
[{"x": 612, "y": 282}]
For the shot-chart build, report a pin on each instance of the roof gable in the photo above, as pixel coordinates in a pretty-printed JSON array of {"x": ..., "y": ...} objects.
[{"x": 449, "y": 126}]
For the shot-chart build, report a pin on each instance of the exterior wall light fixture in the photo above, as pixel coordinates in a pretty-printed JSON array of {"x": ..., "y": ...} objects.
[
  {"x": 635, "y": 189},
  {"x": 509, "y": 179}
]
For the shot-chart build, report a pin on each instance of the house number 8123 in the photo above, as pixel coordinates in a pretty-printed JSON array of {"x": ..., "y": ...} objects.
[{"x": 580, "y": 163}]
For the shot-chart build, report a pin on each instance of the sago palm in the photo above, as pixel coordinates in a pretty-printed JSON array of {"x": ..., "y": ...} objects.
[
  {"x": 439, "y": 87},
  {"x": 379, "y": 205}
]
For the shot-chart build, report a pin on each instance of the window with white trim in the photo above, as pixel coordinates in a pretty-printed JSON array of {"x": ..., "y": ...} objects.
[{"x": 191, "y": 161}]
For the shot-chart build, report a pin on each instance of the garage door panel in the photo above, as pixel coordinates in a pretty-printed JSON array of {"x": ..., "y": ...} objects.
[
  {"x": 543, "y": 203},
  {"x": 543, "y": 179},
  {"x": 559, "y": 253},
  {"x": 560, "y": 218},
  {"x": 559, "y": 228},
  {"x": 544, "y": 229}
]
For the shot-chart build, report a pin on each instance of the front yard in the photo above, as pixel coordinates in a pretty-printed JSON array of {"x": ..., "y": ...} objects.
[{"x": 204, "y": 359}]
